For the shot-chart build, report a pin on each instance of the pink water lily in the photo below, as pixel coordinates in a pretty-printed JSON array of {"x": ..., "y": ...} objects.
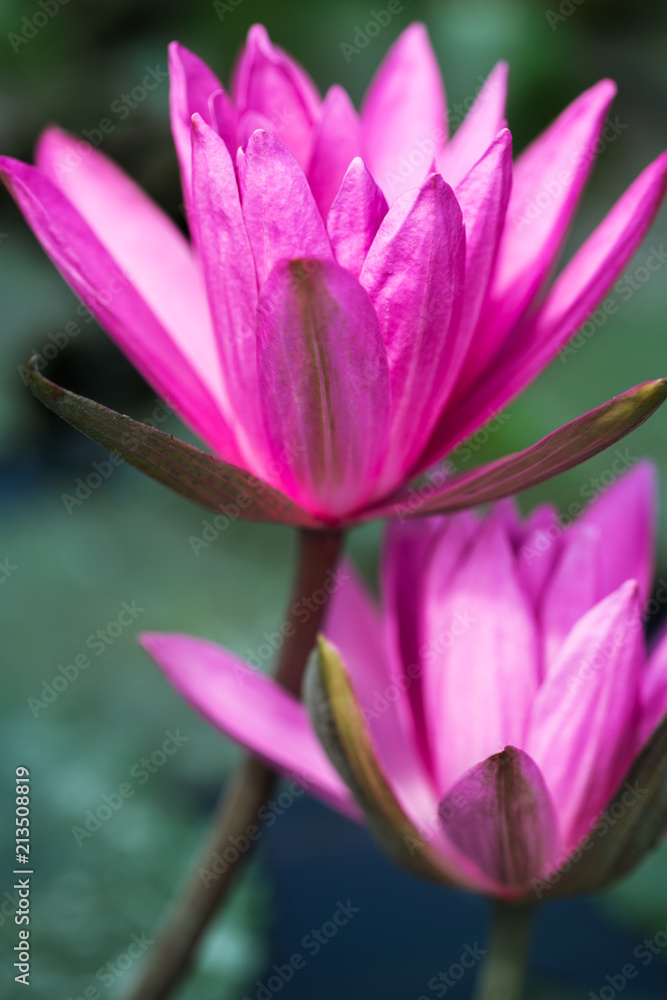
[
  {"x": 361, "y": 292},
  {"x": 487, "y": 714}
]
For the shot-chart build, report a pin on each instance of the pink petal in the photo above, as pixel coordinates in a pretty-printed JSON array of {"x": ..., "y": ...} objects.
[
  {"x": 654, "y": 682},
  {"x": 229, "y": 269},
  {"x": 324, "y": 383},
  {"x": 353, "y": 623},
  {"x": 480, "y": 674},
  {"x": 281, "y": 217},
  {"x": 630, "y": 501},
  {"x": 500, "y": 814},
  {"x": 119, "y": 306},
  {"x": 355, "y": 217},
  {"x": 266, "y": 80},
  {"x": 594, "y": 268},
  {"x": 142, "y": 240},
  {"x": 480, "y": 127},
  {"x": 191, "y": 88},
  {"x": 483, "y": 195},
  {"x": 539, "y": 548},
  {"x": 597, "y": 558},
  {"x": 579, "y": 288},
  {"x": 250, "y": 709},
  {"x": 404, "y": 114},
  {"x": 414, "y": 274},
  {"x": 410, "y": 548},
  {"x": 336, "y": 142},
  {"x": 585, "y": 715},
  {"x": 223, "y": 119},
  {"x": 548, "y": 180}
]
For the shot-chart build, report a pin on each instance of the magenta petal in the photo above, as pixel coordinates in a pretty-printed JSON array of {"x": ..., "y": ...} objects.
[
  {"x": 249, "y": 708},
  {"x": 336, "y": 142},
  {"x": 191, "y": 87},
  {"x": 223, "y": 119},
  {"x": 143, "y": 241},
  {"x": 414, "y": 274},
  {"x": 268, "y": 81},
  {"x": 500, "y": 814},
  {"x": 481, "y": 125},
  {"x": 548, "y": 180},
  {"x": 654, "y": 682},
  {"x": 538, "y": 550},
  {"x": 477, "y": 616},
  {"x": 574, "y": 295},
  {"x": 355, "y": 217},
  {"x": 173, "y": 367},
  {"x": 324, "y": 383},
  {"x": 273, "y": 189},
  {"x": 631, "y": 502},
  {"x": 592, "y": 270},
  {"x": 229, "y": 269},
  {"x": 591, "y": 566},
  {"x": 483, "y": 195},
  {"x": 404, "y": 114},
  {"x": 585, "y": 716},
  {"x": 353, "y": 624}
]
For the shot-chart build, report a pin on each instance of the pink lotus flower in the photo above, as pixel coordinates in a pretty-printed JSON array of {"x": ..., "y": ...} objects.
[
  {"x": 493, "y": 719},
  {"x": 361, "y": 293}
]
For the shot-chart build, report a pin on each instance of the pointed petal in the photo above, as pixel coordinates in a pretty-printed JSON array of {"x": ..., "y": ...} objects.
[
  {"x": 480, "y": 654},
  {"x": 549, "y": 178},
  {"x": 411, "y": 548},
  {"x": 279, "y": 210},
  {"x": 229, "y": 269},
  {"x": 587, "y": 710},
  {"x": 564, "y": 448},
  {"x": 481, "y": 125},
  {"x": 336, "y": 142},
  {"x": 143, "y": 241},
  {"x": 404, "y": 114},
  {"x": 597, "y": 558},
  {"x": 483, "y": 195},
  {"x": 539, "y": 549},
  {"x": 414, "y": 274},
  {"x": 500, "y": 814},
  {"x": 223, "y": 119},
  {"x": 402, "y": 823},
  {"x": 595, "y": 267},
  {"x": 268, "y": 81},
  {"x": 191, "y": 473},
  {"x": 191, "y": 88},
  {"x": 654, "y": 683},
  {"x": 575, "y": 293},
  {"x": 355, "y": 217},
  {"x": 632, "y": 824},
  {"x": 630, "y": 500},
  {"x": 250, "y": 709},
  {"x": 320, "y": 351},
  {"x": 120, "y": 308},
  {"x": 354, "y": 626}
]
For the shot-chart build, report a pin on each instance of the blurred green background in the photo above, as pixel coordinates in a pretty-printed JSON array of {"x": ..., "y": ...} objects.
[{"x": 129, "y": 540}]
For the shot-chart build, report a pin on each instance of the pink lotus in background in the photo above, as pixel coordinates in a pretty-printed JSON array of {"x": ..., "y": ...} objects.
[
  {"x": 486, "y": 716},
  {"x": 362, "y": 292}
]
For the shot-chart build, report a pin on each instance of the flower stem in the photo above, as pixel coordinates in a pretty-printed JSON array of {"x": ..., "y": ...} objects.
[
  {"x": 503, "y": 972},
  {"x": 248, "y": 789}
]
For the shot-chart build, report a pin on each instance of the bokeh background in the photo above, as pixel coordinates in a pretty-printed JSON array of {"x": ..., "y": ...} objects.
[{"x": 129, "y": 540}]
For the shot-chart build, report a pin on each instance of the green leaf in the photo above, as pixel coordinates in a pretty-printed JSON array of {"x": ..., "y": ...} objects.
[
  {"x": 186, "y": 470},
  {"x": 340, "y": 726},
  {"x": 557, "y": 452}
]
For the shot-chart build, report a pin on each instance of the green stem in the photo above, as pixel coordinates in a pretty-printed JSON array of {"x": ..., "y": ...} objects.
[
  {"x": 503, "y": 972},
  {"x": 248, "y": 790}
]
